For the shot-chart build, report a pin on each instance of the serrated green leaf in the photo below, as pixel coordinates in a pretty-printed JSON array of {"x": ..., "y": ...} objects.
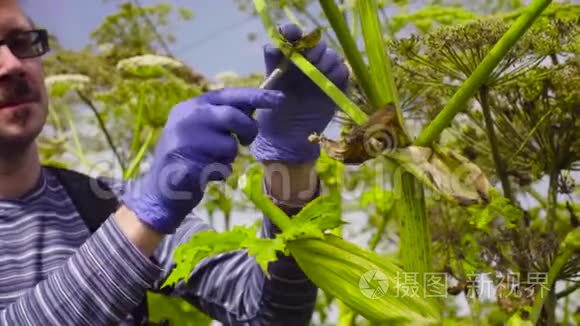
[
  {"x": 382, "y": 199},
  {"x": 264, "y": 250},
  {"x": 484, "y": 218},
  {"x": 206, "y": 244},
  {"x": 330, "y": 171},
  {"x": 512, "y": 213},
  {"x": 315, "y": 218}
]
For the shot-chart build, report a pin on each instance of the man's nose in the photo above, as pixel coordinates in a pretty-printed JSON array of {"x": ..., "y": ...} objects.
[{"x": 9, "y": 63}]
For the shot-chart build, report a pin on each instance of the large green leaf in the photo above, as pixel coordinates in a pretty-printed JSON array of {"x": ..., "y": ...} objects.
[{"x": 374, "y": 286}]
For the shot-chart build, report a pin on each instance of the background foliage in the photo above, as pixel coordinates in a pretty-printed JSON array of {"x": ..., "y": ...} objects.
[{"x": 110, "y": 100}]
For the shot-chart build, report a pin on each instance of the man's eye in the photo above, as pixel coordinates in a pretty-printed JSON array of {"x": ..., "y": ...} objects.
[
  {"x": 21, "y": 41},
  {"x": 27, "y": 44}
]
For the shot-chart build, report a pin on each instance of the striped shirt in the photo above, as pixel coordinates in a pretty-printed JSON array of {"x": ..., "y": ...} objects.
[{"x": 53, "y": 271}]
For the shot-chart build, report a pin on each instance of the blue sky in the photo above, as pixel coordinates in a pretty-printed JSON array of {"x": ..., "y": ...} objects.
[{"x": 214, "y": 41}]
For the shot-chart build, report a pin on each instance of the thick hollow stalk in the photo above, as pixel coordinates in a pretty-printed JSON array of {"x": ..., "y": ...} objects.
[
  {"x": 410, "y": 206},
  {"x": 479, "y": 76},
  {"x": 379, "y": 61},
  {"x": 351, "y": 51},
  {"x": 415, "y": 235},
  {"x": 414, "y": 227},
  {"x": 380, "y": 65}
]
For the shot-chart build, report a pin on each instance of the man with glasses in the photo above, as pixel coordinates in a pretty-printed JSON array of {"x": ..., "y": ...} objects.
[{"x": 55, "y": 270}]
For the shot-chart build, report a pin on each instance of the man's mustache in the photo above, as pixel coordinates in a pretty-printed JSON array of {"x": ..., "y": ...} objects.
[{"x": 15, "y": 90}]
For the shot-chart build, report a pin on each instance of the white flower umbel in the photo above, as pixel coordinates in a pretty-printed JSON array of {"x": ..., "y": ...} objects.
[
  {"x": 68, "y": 79},
  {"x": 148, "y": 60}
]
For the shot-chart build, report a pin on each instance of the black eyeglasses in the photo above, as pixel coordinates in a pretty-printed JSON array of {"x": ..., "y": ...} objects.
[{"x": 27, "y": 44}]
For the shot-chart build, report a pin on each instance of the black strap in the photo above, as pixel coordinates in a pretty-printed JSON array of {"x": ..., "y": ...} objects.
[
  {"x": 95, "y": 202},
  {"x": 93, "y": 198}
]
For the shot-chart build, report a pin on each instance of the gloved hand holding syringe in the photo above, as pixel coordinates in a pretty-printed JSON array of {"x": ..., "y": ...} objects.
[{"x": 307, "y": 109}]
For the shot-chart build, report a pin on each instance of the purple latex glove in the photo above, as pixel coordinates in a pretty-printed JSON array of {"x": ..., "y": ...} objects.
[
  {"x": 197, "y": 145},
  {"x": 283, "y": 133}
]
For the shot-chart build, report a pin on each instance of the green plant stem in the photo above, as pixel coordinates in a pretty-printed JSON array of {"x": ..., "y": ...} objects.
[
  {"x": 550, "y": 306},
  {"x": 552, "y": 199},
  {"x": 227, "y": 221},
  {"x": 457, "y": 266},
  {"x": 134, "y": 166},
  {"x": 316, "y": 23},
  {"x": 251, "y": 186},
  {"x": 351, "y": 51},
  {"x": 75, "y": 136},
  {"x": 566, "y": 292},
  {"x": 138, "y": 126},
  {"x": 103, "y": 128},
  {"x": 537, "y": 196},
  {"x": 492, "y": 137},
  {"x": 274, "y": 213},
  {"x": 55, "y": 119},
  {"x": 475, "y": 311},
  {"x": 354, "y": 27},
  {"x": 379, "y": 62},
  {"x": 346, "y": 316},
  {"x": 531, "y": 134},
  {"x": 567, "y": 249},
  {"x": 415, "y": 236},
  {"x": 380, "y": 230},
  {"x": 459, "y": 100},
  {"x": 540, "y": 297},
  {"x": 566, "y": 316}
]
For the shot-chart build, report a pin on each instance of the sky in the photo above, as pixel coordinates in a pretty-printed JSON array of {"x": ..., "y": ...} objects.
[{"x": 214, "y": 41}]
